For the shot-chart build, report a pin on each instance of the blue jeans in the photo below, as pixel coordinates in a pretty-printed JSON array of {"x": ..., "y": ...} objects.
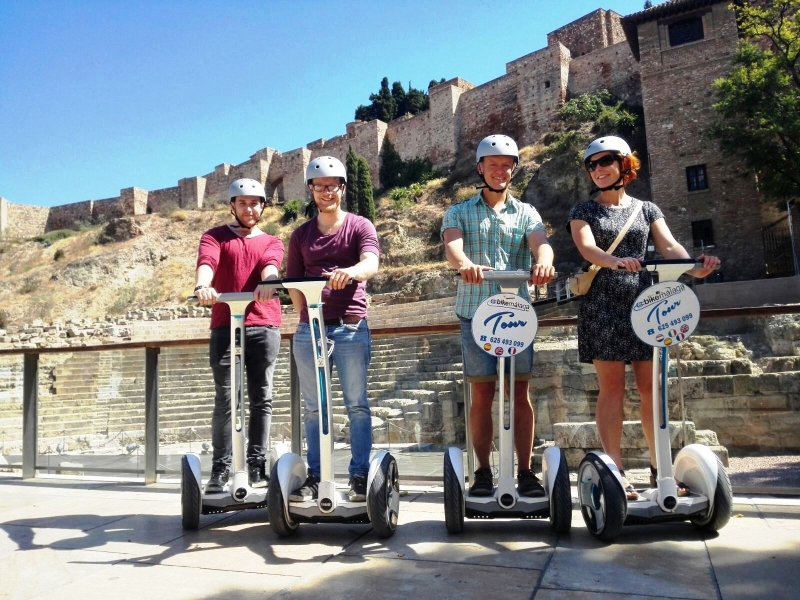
[{"x": 352, "y": 350}]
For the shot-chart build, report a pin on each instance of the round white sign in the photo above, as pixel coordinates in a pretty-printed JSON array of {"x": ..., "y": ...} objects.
[
  {"x": 504, "y": 325},
  {"x": 665, "y": 314}
]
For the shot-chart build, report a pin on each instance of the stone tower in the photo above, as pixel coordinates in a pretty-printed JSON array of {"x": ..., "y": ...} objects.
[{"x": 709, "y": 200}]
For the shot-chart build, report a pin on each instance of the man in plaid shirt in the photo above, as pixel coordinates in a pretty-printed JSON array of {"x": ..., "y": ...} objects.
[{"x": 495, "y": 231}]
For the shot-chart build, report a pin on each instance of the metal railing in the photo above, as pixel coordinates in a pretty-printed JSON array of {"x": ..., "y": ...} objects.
[{"x": 152, "y": 350}]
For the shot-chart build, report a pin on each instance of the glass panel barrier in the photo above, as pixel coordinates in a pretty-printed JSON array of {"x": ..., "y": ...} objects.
[
  {"x": 738, "y": 377},
  {"x": 91, "y": 413},
  {"x": 10, "y": 413}
]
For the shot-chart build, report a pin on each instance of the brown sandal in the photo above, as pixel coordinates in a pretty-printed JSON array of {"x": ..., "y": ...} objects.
[
  {"x": 683, "y": 489},
  {"x": 630, "y": 492}
]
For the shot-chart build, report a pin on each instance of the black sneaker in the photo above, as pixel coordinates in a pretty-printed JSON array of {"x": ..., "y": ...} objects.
[
  {"x": 528, "y": 484},
  {"x": 307, "y": 491},
  {"x": 257, "y": 474},
  {"x": 358, "y": 489},
  {"x": 482, "y": 485},
  {"x": 219, "y": 477}
]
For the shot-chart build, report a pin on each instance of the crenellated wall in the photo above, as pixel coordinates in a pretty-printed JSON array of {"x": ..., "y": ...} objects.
[{"x": 630, "y": 57}]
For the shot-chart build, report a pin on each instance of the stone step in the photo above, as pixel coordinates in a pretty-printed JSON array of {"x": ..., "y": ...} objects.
[{"x": 585, "y": 435}]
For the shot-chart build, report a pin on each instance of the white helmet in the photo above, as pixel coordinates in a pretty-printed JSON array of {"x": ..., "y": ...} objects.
[
  {"x": 609, "y": 143},
  {"x": 325, "y": 166},
  {"x": 246, "y": 187},
  {"x": 497, "y": 145}
]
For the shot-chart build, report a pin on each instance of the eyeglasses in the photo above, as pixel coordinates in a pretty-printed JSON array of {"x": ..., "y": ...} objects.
[
  {"x": 325, "y": 188},
  {"x": 603, "y": 161}
]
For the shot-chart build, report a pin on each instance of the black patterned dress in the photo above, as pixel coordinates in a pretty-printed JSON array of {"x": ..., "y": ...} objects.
[{"x": 604, "y": 323}]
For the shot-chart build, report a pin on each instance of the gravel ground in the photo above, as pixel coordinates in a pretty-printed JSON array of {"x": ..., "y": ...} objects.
[{"x": 748, "y": 471}]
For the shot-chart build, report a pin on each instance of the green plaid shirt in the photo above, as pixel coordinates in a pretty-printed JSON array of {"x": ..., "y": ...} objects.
[{"x": 492, "y": 239}]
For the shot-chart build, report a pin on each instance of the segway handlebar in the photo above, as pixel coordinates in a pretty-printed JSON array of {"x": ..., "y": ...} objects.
[
  {"x": 227, "y": 297},
  {"x": 508, "y": 275},
  {"x": 672, "y": 268}
]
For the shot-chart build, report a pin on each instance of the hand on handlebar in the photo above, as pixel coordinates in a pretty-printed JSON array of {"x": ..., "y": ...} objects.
[
  {"x": 709, "y": 264},
  {"x": 339, "y": 278},
  {"x": 206, "y": 296},
  {"x": 473, "y": 273},
  {"x": 541, "y": 274},
  {"x": 629, "y": 264},
  {"x": 263, "y": 293}
]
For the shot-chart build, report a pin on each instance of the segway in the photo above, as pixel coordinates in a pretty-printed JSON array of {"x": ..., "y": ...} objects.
[
  {"x": 504, "y": 325},
  {"x": 663, "y": 315},
  {"x": 237, "y": 493},
  {"x": 288, "y": 473}
]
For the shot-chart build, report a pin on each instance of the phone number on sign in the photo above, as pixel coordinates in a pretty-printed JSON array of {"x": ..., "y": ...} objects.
[
  {"x": 674, "y": 322},
  {"x": 506, "y": 342}
]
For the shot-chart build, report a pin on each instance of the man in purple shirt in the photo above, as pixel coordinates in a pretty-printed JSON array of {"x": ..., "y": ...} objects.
[{"x": 343, "y": 247}]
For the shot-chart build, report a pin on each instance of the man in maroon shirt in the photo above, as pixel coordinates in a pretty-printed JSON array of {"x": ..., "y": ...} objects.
[
  {"x": 234, "y": 258},
  {"x": 343, "y": 247}
]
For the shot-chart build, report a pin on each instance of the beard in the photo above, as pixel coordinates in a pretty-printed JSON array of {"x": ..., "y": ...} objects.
[{"x": 328, "y": 208}]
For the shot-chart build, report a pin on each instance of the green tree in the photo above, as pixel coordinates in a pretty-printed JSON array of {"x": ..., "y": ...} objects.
[
  {"x": 417, "y": 101},
  {"x": 608, "y": 114},
  {"x": 366, "y": 205},
  {"x": 758, "y": 108},
  {"x": 391, "y": 169},
  {"x": 388, "y": 104},
  {"x": 399, "y": 96},
  {"x": 351, "y": 191},
  {"x": 384, "y": 106}
]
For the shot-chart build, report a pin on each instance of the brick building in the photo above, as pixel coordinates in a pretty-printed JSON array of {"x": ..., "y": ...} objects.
[{"x": 710, "y": 200}]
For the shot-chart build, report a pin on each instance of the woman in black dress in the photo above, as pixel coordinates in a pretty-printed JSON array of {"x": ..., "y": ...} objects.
[{"x": 605, "y": 334}]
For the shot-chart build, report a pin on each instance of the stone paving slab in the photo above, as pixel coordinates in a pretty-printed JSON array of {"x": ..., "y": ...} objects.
[
  {"x": 367, "y": 578},
  {"x": 422, "y": 535},
  {"x": 69, "y": 539},
  {"x": 243, "y": 541},
  {"x": 661, "y": 560},
  {"x": 757, "y": 555},
  {"x": 125, "y": 581}
]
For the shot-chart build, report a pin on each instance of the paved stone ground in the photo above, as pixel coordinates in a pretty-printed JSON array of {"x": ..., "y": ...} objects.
[
  {"x": 763, "y": 472},
  {"x": 101, "y": 540}
]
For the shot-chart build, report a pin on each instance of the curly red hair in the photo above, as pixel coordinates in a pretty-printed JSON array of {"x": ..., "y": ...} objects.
[{"x": 630, "y": 164}]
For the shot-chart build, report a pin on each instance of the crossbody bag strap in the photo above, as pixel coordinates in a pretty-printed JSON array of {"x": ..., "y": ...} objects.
[
  {"x": 622, "y": 232},
  {"x": 625, "y": 228}
]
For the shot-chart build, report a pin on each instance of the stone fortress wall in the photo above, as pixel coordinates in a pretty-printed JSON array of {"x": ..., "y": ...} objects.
[
  {"x": 631, "y": 57},
  {"x": 584, "y": 56}
]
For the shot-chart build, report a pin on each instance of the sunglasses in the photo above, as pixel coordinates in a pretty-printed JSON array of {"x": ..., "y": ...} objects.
[{"x": 603, "y": 161}]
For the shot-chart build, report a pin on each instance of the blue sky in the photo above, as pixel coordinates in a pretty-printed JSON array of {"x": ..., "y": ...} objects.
[{"x": 100, "y": 95}]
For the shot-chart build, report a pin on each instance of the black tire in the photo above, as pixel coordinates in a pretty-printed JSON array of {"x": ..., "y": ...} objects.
[
  {"x": 384, "y": 490},
  {"x": 279, "y": 520},
  {"x": 191, "y": 497},
  {"x": 605, "y": 509},
  {"x": 561, "y": 500},
  {"x": 453, "y": 498},
  {"x": 719, "y": 513}
]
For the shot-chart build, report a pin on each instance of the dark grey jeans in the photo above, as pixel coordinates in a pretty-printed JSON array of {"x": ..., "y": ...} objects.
[{"x": 260, "y": 352}]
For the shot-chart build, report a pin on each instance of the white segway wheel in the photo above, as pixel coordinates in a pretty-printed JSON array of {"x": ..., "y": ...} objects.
[
  {"x": 453, "y": 498},
  {"x": 602, "y": 500},
  {"x": 279, "y": 520},
  {"x": 191, "y": 497},
  {"x": 383, "y": 498},
  {"x": 561, "y": 500},
  {"x": 719, "y": 513}
]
